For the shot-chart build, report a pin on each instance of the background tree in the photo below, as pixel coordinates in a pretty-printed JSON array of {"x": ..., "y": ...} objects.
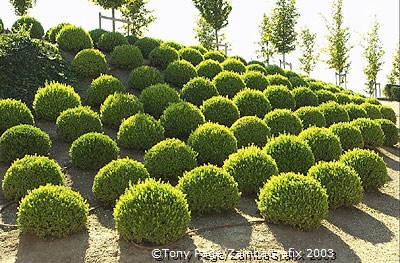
[
  {"x": 138, "y": 15},
  {"x": 21, "y": 7},
  {"x": 394, "y": 76},
  {"x": 266, "y": 50},
  {"x": 309, "y": 55},
  {"x": 204, "y": 33},
  {"x": 110, "y": 4}
]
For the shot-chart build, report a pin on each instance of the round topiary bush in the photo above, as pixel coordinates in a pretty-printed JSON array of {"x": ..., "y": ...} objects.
[
  {"x": 109, "y": 40},
  {"x": 191, "y": 55},
  {"x": 279, "y": 80},
  {"x": 102, "y": 87},
  {"x": 51, "y": 34},
  {"x": 390, "y": 131},
  {"x": 140, "y": 132},
  {"x": 209, "y": 189},
  {"x": 73, "y": 38},
  {"x": 311, "y": 116},
  {"x": 293, "y": 199},
  {"x": 179, "y": 72},
  {"x": 52, "y": 210},
  {"x": 333, "y": 113},
  {"x": 95, "y": 34},
  {"x": 280, "y": 97},
  {"x": 220, "y": 110},
  {"x": 251, "y": 130},
  {"x": 200, "y": 48},
  {"x": 257, "y": 68},
  {"x": 234, "y": 65},
  {"x": 162, "y": 56},
  {"x": 324, "y": 144},
  {"x": 215, "y": 55},
  {"x": 147, "y": 44},
  {"x": 161, "y": 213},
  {"x": 169, "y": 159},
  {"x": 180, "y": 119},
  {"x": 342, "y": 98},
  {"x": 89, "y": 63},
  {"x": 213, "y": 142},
  {"x": 256, "y": 62},
  {"x": 198, "y": 90},
  {"x": 252, "y": 103},
  {"x": 341, "y": 182},
  {"x": 283, "y": 121},
  {"x": 290, "y": 153},
  {"x": 298, "y": 82},
  {"x": 373, "y": 101},
  {"x": 357, "y": 99},
  {"x": 12, "y": 113},
  {"x": 112, "y": 180},
  {"x": 53, "y": 99},
  {"x": 369, "y": 166},
  {"x": 30, "y": 24},
  {"x": 274, "y": 69},
  {"x": 209, "y": 68},
  {"x": 372, "y": 110},
  {"x": 388, "y": 113},
  {"x": 251, "y": 168},
  {"x": 126, "y": 57},
  {"x": 75, "y": 122},
  {"x": 325, "y": 96},
  {"x": 228, "y": 83},
  {"x": 174, "y": 45},
  {"x": 241, "y": 59},
  {"x": 350, "y": 136},
  {"x": 371, "y": 131},
  {"x": 316, "y": 85},
  {"x": 304, "y": 97},
  {"x": 143, "y": 77},
  {"x": 355, "y": 111},
  {"x": 157, "y": 98},
  {"x": 93, "y": 150},
  {"x": 118, "y": 107},
  {"x": 255, "y": 80}
]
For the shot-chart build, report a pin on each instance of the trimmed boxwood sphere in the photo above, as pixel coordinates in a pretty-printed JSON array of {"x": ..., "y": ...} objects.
[
  {"x": 369, "y": 166},
  {"x": 52, "y": 210},
  {"x": 191, "y": 55},
  {"x": 198, "y": 90},
  {"x": 228, "y": 83},
  {"x": 93, "y": 150},
  {"x": 12, "y": 113},
  {"x": 89, "y": 63},
  {"x": 290, "y": 153},
  {"x": 147, "y": 44},
  {"x": 179, "y": 72},
  {"x": 213, "y": 142},
  {"x": 169, "y": 159},
  {"x": 173, "y": 44},
  {"x": 73, "y": 123},
  {"x": 252, "y": 103},
  {"x": 118, "y": 107},
  {"x": 73, "y": 38},
  {"x": 371, "y": 131},
  {"x": 157, "y": 98},
  {"x": 283, "y": 121},
  {"x": 200, "y": 48},
  {"x": 102, "y": 87},
  {"x": 374, "y": 101},
  {"x": 256, "y": 62},
  {"x": 180, "y": 119},
  {"x": 324, "y": 144},
  {"x": 215, "y": 55},
  {"x": 274, "y": 69},
  {"x": 257, "y": 68},
  {"x": 251, "y": 130},
  {"x": 251, "y": 168},
  {"x": 53, "y": 99},
  {"x": 140, "y": 132},
  {"x": 279, "y": 80},
  {"x": 255, "y": 80},
  {"x": 388, "y": 113},
  {"x": 355, "y": 111},
  {"x": 372, "y": 110},
  {"x": 132, "y": 39},
  {"x": 311, "y": 116},
  {"x": 343, "y": 98},
  {"x": 241, "y": 59},
  {"x": 234, "y": 65},
  {"x": 293, "y": 199},
  {"x": 325, "y": 96},
  {"x": 209, "y": 69},
  {"x": 220, "y": 110},
  {"x": 209, "y": 189},
  {"x": 109, "y": 40},
  {"x": 333, "y": 113},
  {"x": 29, "y": 23},
  {"x": 298, "y": 82},
  {"x": 316, "y": 85},
  {"x": 143, "y": 77},
  {"x": 126, "y": 57},
  {"x": 95, "y": 34},
  {"x": 112, "y": 180},
  {"x": 350, "y": 136},
  {"x": 280, "y": 97},
  {"x": 357, "y": 99},
  {"x": 390, "y": 131},
  {"x": 304, "y": 97},
  {"x": 29, "y": 173},
  {"x": 160, "y": 57}
]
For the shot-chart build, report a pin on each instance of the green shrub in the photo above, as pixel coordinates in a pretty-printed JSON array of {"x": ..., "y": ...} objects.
[
  {"x": 374, "y": 101},
  {"x": 220, "y": 110},
  {"x": 89, "y": 63},
  {"x": 279, "y": 80},
  {"x": 241, "y": 59},
  {"x": 256, "y": 62},
  {"x": 280, "y": 97},
  {"x": 53, "y": 99},
  {"x": 126, "y": 57},
  {"x": 202, "y": 49},
  {"x": 93, "y": 150},
  {"x": 22, "y": 140},
  {"x": 51, "y": 210},
  {"x": 191, "y": 55},
  {"x": 388, "y": 113},
  {"x": 198, "y": 90},
  {"x": 304, "y": 97},
  {"x": 343, "y": 98},
  {"x": 324, "y": 144},
  {"x": 73, "y": 38},
  {"x": 209, "y": 68},
  {"x": 357, "y": 99},
  {"x": 12, "y": 113},
  {"x": 234, "y": 65},
  {"x": 371, "y": 131},
  {"x": 95, "y": 34},
  {"x": 255, "y": 80},
  {"x": 251, "y": 130},
  {"x": 118, "y": 107},
  {"x": 325, "y": 96},
  {"x": 140, "y": 132},
  {"x": 102, "y": 87},
  {"x": 369, "y": 166},
  {"x": 157, "y": 98},
  {"x": 209, "y": 189},
  {"x": 109, "y": 40},
  {"x": 257, "y": 68},
  {"x": 311, "y": 116},
  {"x": 283, "y": 121},
  {"x": 30, "y": 24},
  {"x": 161, "y": 213},
  {"x": 274, "y": 69},
  {"x": 355, "y": 111},
  {"x": 316, "y": 85},
  {"x": 215, "y": 55},
  {"x": 112, "y": 180},
  {"x": 293, "y": 199},
  {"x": 350, "y": 136},
  {"x": 132, "y": 39},
  {"x": 174, "y": 45},
  {"x": 390, "y": 131},
  {"x": 228, "y": 83},
  {"x": 51, "y": 34},
  {"x": 252, "y": 103},
  {"x": 179, "y": 72},
  {"x": 75, "y": 122},
  {"x": 298, "y": 82},
  {"x": 143, "y": 77},
  {"x": 160, "y": 57},
  {"x": 372, "y": 110},
  {"x": 333, "y": 113},
  {"x": 180, "y": 119},
  {"x": 290, "y": 153},
  {"x": 341, "y": 182},
  {"x": 251, "y": 168},
  {"x": 213, "y": 142},
  {"x": 147, "y": 44},
  {"x": 169, "y": 159}
]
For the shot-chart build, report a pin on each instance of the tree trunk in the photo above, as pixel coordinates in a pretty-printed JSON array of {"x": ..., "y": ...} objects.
[
  {"x": 284, "y": 62},
  {"x": 113, "y": 21},
  {"x": 216, "y": 39}
]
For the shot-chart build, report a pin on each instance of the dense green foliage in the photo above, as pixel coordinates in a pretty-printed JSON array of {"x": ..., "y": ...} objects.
[
  {"x": 179, "y": 72},
  {"x": 283, "y": 121},
  {"x": 157, "y": 98},
  {"x": 109, "y": 40},
  {"x": 257, "y": 68},
  {"x": 198, "y": 90},
  {"x": 191, "y": 55},
  {"x": 251, "y": 130},
  {"x": 143, "y": 77},
  {"x": 89, "y": 63},
  {"x": 280, "y": 97},
  {"x": 252, "y": 102},
  {"x": 160, "y": 57},
  {"x": 95, "y": 34},
  {"x": 209, "y": 68},
  {"x": 304, "y": 97},
  {"x": 12, "y": 113},
  {"x": 371, "y": 131},
  {"x": 350, "y": 136},
  {"x": 311, "y": 116},
  {"x": 51, "y": 34},
  {"x": 102, "y": 87},
  {"x": 220, "y": 110},
  {"x": 277, "y": 80},
  {"x": 126, "y": 57},
  {"x": 29, "y": 24},
  {"x": 255, "y": 80},
  {"x": 146, "y": 45},
  {"x": 228, "y": 83},
  {"x": 388, "y": 113},
  {"x": 373, "y": 111},
  {"x": 215, "y": 55},
  {"x": 274, "y": 69},
  {"x": 355, "y": 111},
  {"x": 390, "y": 131},
  {"x": 234, "y": 65},
  {"x": 333, "y": 113},
  {"x": 325, "y": 96},
  {"x": 73, "y": 38}
]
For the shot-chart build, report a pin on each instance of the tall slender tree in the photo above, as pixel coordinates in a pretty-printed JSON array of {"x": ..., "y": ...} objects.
[
  {"x": 266, "y": 50},
  {"x": 394, "y": 76},
  {"x": 140, "y": 17},
  {"x": 110, "y": 4},
  {"x": 204, "y": 33},
  {"x": 21, "y": 7},
  {"x": 309, "y": 54}
]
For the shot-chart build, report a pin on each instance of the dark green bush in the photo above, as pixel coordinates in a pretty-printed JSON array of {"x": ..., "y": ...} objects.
[
  {"x": 234, "y": 65},
  {"x": 102, "y": 87},
  {"x": 257, "y": 68},
  {"x": 372, "y": 110},
  {"x": 298, "y": 82},
  {"x": 325, "y": 96},
  {"x": 255, "y": 80},
  {"x": 215, "y": 55},
  {"x": 209, "y": 68},
  {"x": 157, "y": 98},
  {"x": 256, "y": 62},
  {"x": 73, "y": 38},
  {"x": 132, "y": 39},
  {"x": 374, "y": 101},
  {"x": 95, "y": 34},
  {"x": 109, "y": 40},
  {"x": 12, "y": 113},
  {"x": 333, "y": 113},
  {"x": 274, "y": 69},
  {"x": 174, "y": 45},
  {"x": 357, "y": 99},
  {"x": 179, "y": 72},
  {"x": 89, "y": 63},
  {"x": 202, "y": 49},
  {"x": 191, "y": 55},
  {"x": 160, "y": 57},
  {"x": 252, "y": 103},
  {"x": 388, "y": 113},
  {"x": 126, "y": 57},
  {"x": 143, "y": 77},
  {"x": 316, "y": 85},
  {"x": 304, "y": 97},
  {"x": 251, "y": 130},
  {"x": 280, "y": 97},
  {"x": 371, "y": 131},
  {"x": 241, "y": 59},
  {"x": 350, "y": 136},
  {"x": 228, "y": 83},
  {"x": 390, "y": 131},
  {"x": 355, "y": 111},
  {"x": 283, "y": 121},
  {"x": 147, "y": 44},
  {"x": 343, "y": 98},
  {"x": 30, "y": 24},
  {"x": 220, "y": 110},
  {"x": 279, "y": 80},
  {"x": 311, "y": 116},
  {"x": 51, "y": 34},
  {"x": 198, "y": 90}
]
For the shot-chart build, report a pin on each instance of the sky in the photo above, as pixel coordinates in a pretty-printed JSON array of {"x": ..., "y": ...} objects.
[{"x": 176, "y": 20}]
